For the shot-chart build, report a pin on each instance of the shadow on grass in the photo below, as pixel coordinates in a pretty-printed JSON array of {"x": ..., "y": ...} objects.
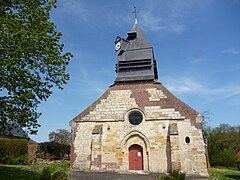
[
  {"x": 18, "y": 173},
  {"x": 233, "y": 176}
]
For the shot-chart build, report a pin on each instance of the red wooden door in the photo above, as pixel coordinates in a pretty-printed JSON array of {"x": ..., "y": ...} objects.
[{"x": 135, "y": 157}]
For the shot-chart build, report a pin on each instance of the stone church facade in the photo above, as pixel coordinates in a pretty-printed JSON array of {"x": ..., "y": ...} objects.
[{"x": 137, "y": 124}]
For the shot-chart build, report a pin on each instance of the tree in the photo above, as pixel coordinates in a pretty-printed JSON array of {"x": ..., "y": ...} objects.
[
  {"x": 32, "y": 61},
  {"x": 207, "y": 115},
  {"x": 223, "y": 145},
  {"x": 61, "y": 136},
  {"x": 54, "y": 149}
]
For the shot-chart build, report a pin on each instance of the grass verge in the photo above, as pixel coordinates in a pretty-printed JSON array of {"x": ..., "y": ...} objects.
[
  {"x": 34, "y": 171},
  {"x": 226, "y": 174}
]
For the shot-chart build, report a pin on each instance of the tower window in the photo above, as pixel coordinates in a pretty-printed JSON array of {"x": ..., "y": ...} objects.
[
  {"x": 135, "y": 118},
  {"x": 132, "y": 35}
]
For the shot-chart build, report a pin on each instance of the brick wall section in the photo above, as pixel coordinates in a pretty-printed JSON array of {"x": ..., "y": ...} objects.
[
  {"x": 143, "y": 98},
  {"x": 92, "y": 106}
]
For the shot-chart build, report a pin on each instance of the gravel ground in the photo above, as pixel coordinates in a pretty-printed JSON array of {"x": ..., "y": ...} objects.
[{"x": 78, "y": 175}]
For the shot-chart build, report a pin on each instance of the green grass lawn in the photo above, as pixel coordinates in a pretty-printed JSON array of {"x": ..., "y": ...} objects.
[
  {"x": 220, "y": 173},
  {"x": 18, "y": 172}
]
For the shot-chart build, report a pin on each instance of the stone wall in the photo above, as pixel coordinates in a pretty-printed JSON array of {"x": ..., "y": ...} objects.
[{"x": 162, "y": 151}]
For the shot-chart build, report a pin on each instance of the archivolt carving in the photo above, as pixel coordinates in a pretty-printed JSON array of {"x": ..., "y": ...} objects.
[{"x": 135, "y": 133}]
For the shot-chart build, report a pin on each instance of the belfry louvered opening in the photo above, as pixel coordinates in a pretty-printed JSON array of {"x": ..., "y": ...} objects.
[{"x": 135, "y": 65}]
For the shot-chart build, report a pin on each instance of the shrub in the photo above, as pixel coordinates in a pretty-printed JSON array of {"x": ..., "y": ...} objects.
[
  {"x": 165, "y": 178},
  {"x": 178, "y": 175},
  {"x": 13, "y": 151},
  {"x": 174, "y": 175},
  {"x": 46, "y": 174},
  {"x": 23, "y": 159},
  {"x": 60, "y": 175}
]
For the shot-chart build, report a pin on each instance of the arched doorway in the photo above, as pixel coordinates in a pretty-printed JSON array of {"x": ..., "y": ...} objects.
[{"x": 135, "y": 157}]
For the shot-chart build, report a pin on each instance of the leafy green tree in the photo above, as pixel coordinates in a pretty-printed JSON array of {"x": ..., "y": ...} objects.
[
  {"x": 61, "y": 136},
  {"x": 57, "y": 150},
  {"x": 32, "y": 61},
  {"x": 223, "y": 145}
]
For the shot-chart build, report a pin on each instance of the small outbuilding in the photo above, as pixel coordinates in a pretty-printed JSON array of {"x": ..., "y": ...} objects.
[{"x": 18, "y": 133}]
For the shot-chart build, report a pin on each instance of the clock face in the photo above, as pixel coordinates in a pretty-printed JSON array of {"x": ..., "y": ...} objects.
[{"x": 117, "y": 46}]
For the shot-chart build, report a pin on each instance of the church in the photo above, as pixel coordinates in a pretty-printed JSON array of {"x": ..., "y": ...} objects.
[{"x": 137, "y": 124}]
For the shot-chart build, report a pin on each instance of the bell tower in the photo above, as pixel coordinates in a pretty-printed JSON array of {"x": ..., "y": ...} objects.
[
  {"x": 135, "y": 102},
  {"x": 135, "y": 56}
]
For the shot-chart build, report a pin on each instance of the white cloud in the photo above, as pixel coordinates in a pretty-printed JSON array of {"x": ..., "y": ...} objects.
[
  {"x": 152, "y": 22},
  {"x": 187, "y": 86},
  {"x": 89, "y": 81},
  {"x": 74, "y": 9},
  {"x": 197, "y": 60},
  {"x": 177, "y": 28},
  {"x": 157, "y": 22},
  {"x": 233, "y": 51},
  {"x": 235, "y": 99},
  {"x": 94, "y": 85},
  {"x": 156, "y": 15},
  {"x": 169, "y": 16},
  {"x": 183, "y": 85}
]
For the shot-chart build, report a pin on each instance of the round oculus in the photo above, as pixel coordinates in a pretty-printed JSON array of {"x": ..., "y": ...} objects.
[
  {"x": 117, "y": 46},
  {"x": 135, "y": 118}
]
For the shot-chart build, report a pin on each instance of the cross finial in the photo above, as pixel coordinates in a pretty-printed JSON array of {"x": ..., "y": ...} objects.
[{"x": 135, "y": 14}]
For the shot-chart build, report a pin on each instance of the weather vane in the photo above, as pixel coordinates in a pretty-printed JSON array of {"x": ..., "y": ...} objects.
[{"x": 135, "y": 14}]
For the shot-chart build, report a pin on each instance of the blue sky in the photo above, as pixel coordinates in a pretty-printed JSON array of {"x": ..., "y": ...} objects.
[{"x": 196, "y": 45}]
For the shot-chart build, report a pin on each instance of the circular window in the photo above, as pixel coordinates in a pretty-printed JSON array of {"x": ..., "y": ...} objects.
[
  {"x": 135, "y": 118},
  {"x": 187, "y": 140}
]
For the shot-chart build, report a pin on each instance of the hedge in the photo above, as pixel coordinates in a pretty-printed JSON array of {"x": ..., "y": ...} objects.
[{"x": 13, "y": 151}]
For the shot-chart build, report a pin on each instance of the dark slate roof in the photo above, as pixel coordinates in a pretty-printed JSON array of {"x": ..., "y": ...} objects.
[
  {"x": 15, "y": 132},
  {"x": 141, "y": 97},
  {"x": 140, "y": 42},
  {"x": 135, "y": 58}
]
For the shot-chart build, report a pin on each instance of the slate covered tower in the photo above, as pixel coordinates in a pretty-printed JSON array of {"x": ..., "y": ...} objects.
[
  {"x": 135, "y": 55},
  {"x": 137, "y": 124}
]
